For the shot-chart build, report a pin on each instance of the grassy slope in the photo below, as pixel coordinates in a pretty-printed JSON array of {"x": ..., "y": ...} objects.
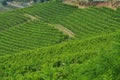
[
  {"x": 50, "y": 12},
  {"x": 93, "y": 59},
  {"x": 29, "y": 35},
  {"x": 10, "y": 19},
  {"x": 19, "y": 32},
  {"x": 83, "y": 22},
  {"x": 92, "y": 22}
]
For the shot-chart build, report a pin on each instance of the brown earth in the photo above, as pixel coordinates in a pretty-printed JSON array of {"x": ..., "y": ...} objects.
[
  {"x": 31, "y": 17},
  {"x": 83, "y": 4},
  {"x": 63, "y": 29}
]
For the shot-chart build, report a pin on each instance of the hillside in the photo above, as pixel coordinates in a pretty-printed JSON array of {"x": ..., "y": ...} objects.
[
  {"x": 56, "y": 41},
  {"x": 104, "y": 20},
  {"x": 113, "y": 4},
  {"x": 29, "y": 35},
  {"x": 92, "y": 59}
]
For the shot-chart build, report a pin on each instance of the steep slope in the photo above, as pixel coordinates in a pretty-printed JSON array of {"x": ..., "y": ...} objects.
[
  {"x": 83, "y": 23},
  {"x": 34, "y": 46},
  {"x": 29, "y": 35},
  {"x": 20, "y": 30},
  {"x": 11, "y": 18},
  {"x": 50, "y": 12},
  {"x": 93, "y": 59},
  {"x": 78, "y": 21},
  {"x": 92, "y": 22}
]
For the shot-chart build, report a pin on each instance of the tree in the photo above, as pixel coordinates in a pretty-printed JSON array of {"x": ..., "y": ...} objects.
[
  {"x": 35, "y": 1},
  {"x": 9, "y": 0},
  {"x": 4, "y": 2},
  {"x": 42, "y": 0}
]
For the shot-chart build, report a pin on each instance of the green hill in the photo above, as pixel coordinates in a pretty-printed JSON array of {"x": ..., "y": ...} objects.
[
  {"x": 10, "y": 19},
  {"x": 55, "y": 41},
  {"x": 83, "y": 22},
  {"x": 92, "y": 59},
  {"x": 29, "y": 35}
]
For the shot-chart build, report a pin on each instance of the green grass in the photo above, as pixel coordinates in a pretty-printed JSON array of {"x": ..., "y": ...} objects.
[
  {"x": 50, "y": 12},
  {"x": 9, "y": 19},
  {"x": 91, "y": 22},
  {"x": 92, "y": 59},
  {"x": 83, "y": 22},
  {"x": 29, "y": 35},
  {"x": 35, "y": 50}
]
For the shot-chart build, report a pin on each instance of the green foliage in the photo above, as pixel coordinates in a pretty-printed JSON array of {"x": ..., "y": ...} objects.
[
  {"x": 4, "y": 2},
  {"x": 84, "y": 23},
  {"x": 29, "y": 35},
  {"x": 11, "y": 19},
  {"x": 46, "y": 10},
  {"x": 87, "y": 61},
  {"x": 92, "y": 22},
  {"x": 41, "y": 52}
]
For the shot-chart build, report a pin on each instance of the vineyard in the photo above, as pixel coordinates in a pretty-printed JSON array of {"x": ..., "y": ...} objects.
[
  {"x": 10, "y": 19},
  {"x": 104, "y": 20},
  {"x": 36, "y": 43},
  {"x": 52, "y": 63},
  {"x": 28, "y": 36}
]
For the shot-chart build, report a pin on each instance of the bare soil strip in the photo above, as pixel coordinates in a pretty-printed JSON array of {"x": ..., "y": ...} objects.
[
  {"x": 31, "y": 17},
  {"x": 64, "y": 30},
  {"x": 57, "y": 26},
  {"x": 114, "y": 5}
]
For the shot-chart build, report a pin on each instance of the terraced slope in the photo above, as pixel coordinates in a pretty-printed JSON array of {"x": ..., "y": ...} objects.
[
  {"x": 9, "y": 19},
  {"x": 51, "y": 12},
  {"x": 92, "y": 59},
  {"x": 44, "y": 11},
  {"x": 91, "y": 22},
  {"x": 28, "y": 36},
  {"x": 41, "y": 49},
  {"x": 83, "y": 22},
  {"x": 20, "y": 32}
]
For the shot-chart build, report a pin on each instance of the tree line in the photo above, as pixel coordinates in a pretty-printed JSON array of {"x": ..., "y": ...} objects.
[{"x": 35, "y": 1}]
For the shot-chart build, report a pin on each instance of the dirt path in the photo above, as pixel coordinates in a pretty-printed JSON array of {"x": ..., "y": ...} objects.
[
  {"x": 57, "y": 26},
  {"x": 31, "y": 17},
  {"x": 64, "y": 30}
]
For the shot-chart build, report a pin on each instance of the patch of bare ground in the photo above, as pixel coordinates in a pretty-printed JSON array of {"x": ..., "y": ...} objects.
[
  {"x": 57, "y": 26},
  {"x": 31, "y": 17},
  {"x": 82, "y": 4},
  {"x": 64, "y": 30},
  {"x": 74, "y": 3}
]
